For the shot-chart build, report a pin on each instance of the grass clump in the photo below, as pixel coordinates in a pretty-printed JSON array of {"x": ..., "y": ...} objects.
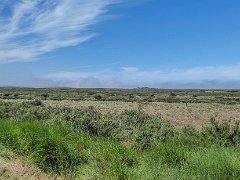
[
  {"x": 62, "y": 150},
  {"x": 214, "y": 163},
  {"x": 58, "y": 149},
  {"x": 51, "y": 148},
  {"x": 180, "y": 161}
]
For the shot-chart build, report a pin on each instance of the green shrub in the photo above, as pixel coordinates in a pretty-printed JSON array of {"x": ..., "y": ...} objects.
[
  {"x": 37, "y": 102},
  {"x": 223, "y": 133},
  {"x": 143, "y": 130}
]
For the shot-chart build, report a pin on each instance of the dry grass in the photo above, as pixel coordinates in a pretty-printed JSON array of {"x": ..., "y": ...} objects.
[
  {"x": 195, "y": 114},
  {"x": 19, "y": 169}
]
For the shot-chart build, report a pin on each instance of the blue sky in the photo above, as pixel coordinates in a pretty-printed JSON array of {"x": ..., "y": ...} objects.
[{"x": 120, "y": 43}]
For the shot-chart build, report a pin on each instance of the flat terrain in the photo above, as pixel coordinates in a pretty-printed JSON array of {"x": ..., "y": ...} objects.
[
  {"x": 119, "y": 134},
  {"x": 180, "y": 115},
  {"x": 180, "y": 107},
  {"x": 125, "y": 95},
  {"x": 195, "y": 115}
]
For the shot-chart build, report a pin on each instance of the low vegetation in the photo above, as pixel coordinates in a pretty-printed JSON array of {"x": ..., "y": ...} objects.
[
  {"x": 81, "y": 142},
  {"x": 86, "y": 144},
  {"x": 63, "y": 151},
  {"x": 124, "y": 95}
]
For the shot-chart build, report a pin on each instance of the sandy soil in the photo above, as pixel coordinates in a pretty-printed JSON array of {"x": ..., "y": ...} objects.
[{"x": 19, "y": 169}]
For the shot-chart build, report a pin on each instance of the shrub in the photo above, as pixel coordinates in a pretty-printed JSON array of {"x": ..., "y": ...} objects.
[
  {"x": 98, "y": 97},
  {"x": 45, "y": 96},
  {"x": 37, "y": 102},
  {"x": 223, "y": 133}
]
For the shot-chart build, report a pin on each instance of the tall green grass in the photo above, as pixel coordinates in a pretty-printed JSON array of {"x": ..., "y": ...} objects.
[
  {"x": 85, "y": 144},
  {"x": 51, "y": 148},
  {"x": 59, "y": 149},
  {"x": 174, "y": 161}
]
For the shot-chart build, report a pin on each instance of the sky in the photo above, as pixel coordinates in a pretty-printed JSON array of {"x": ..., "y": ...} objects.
[{"x": 120, "y": 43}]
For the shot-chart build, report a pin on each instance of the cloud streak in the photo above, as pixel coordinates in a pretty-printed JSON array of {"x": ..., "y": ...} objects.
[
  {"x": 200, "y": 77},
  {"x": 29, "y": 28}
]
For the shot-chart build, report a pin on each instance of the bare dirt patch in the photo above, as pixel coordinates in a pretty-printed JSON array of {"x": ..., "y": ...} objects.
[{"x": 19, "y": 169}]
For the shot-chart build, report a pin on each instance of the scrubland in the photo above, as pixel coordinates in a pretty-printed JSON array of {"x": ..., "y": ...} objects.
[{"x": 68, "y": 139}]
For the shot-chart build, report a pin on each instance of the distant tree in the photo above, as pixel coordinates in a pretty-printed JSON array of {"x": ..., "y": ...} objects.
[
  {"x": 98, "y": 97},
  {"x": 7, "y": 94},
  {"x": 45, "y": 96},
  {"x": 172, "y": 94}
]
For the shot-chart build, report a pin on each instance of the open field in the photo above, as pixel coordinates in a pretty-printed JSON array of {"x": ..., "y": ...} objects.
[
  {"x": 195, "y": 114},
  {"x": 180, "y": 115},
  {"x": 124, "y": 95},
  {"x": 45, "y": 138},
  {"x": 180, "y": 107},
  {"x": 119, "y": 90}
]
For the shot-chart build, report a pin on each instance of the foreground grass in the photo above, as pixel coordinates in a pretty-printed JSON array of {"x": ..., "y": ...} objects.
[
  {"x": 171, "y": 161},
  {"x": 57, "y": 149},
  {"x": 60, "y": 150}
]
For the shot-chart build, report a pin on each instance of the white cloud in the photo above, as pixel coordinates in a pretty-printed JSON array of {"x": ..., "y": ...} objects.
[
  {"x": 36, "y": 27},
  {"x": 130, "y": 69},
  {"x": 209, "y": 77}
]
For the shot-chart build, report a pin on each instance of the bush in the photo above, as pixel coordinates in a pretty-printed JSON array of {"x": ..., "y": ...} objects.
[
  {"x": 98, "y": 97},
  {"x": 37, "y": 102},
  {"x": 224, "y": 133}
]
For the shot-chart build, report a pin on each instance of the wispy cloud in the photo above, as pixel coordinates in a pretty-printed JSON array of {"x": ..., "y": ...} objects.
[
  {"x": 130, "y": 69},
  {"x": 30, "y": 28},
  {"x": 200, "y": 77}
]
